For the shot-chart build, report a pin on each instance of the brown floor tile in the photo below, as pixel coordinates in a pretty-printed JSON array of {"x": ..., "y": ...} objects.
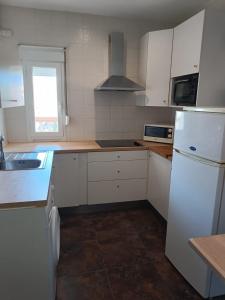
[
  {"x": 91, "y": 286},
  {"x": 143, "y": 281},
  {"x": 83, "y": 257},
  {"x": 122, "y": 251},
  {"x": 118, "y": 255}
]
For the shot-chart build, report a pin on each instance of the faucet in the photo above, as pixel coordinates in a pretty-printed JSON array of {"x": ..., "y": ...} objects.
[{"x": 2, "y": 155}]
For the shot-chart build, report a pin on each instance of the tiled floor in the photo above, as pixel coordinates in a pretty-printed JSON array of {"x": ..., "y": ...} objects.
[{"x": 117, "y": 256}]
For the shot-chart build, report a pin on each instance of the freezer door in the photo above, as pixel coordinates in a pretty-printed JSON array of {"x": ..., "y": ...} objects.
[
  {"x": 201, "y": 134},
  {"x": 195, "y": 196}
]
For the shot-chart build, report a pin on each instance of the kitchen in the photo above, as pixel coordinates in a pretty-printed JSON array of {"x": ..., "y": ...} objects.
[{"x": 97, "y": 142}]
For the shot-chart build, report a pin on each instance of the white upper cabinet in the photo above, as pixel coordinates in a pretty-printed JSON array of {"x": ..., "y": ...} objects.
[
  {"x": 187, "y": 44},
  {"x": 155, "y": 64},
  {"x": 154, "y": 68},
  {"x": 11, "y": 86}
]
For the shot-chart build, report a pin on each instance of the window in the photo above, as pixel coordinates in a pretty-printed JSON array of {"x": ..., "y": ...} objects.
[{"x": 44, "y": 91}]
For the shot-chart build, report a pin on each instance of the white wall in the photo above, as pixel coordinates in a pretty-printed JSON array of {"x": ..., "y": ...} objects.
[{"x": 93, "y": 115}]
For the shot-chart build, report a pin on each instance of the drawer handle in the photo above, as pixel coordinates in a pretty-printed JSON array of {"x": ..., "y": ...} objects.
[
  {"x": 118, "y": 156},
  {"x": 118, "y": 186},
  {"x": 74, "y": 158},
  {"x": 118, "y": 171}
]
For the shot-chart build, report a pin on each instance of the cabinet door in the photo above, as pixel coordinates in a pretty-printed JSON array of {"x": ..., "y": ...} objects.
[
  {"x": 187, "y": 44},
  {"x": 143, "y": 58},
  {"x": 11, "y": 86},
  {"x": 159, "y": 183},
  {"x": 158, "y": 67},
  {"x": 70, "y": 179}
]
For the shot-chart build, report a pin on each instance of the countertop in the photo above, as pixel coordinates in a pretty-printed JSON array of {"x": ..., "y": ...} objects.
[
  {"x": 25, "y": 188},
  {"x": 29, "y": 188},
  {"x": 212, "y": 249},
  {"x": 164, "y": 150}
]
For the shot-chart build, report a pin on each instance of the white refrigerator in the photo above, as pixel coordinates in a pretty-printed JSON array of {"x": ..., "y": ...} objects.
[{"x": 197, "y": 195}]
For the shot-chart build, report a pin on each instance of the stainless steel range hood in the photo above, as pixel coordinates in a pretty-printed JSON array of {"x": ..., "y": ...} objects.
[{"x": 117, "y": 81}]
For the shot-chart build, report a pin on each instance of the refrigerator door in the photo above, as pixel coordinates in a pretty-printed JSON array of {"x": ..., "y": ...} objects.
[
  {"x": 201, "y": 134},
  {"x": 195, "y": 197}
]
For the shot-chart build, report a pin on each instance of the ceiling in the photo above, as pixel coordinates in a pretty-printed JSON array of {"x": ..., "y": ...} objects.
[{"x": 162, "y": 12}]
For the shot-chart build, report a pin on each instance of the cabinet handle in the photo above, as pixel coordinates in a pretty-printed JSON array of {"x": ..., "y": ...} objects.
[
  {"x": 164, "y": 101},
  {"x": 74, "y": 158},
  {"x": 195, "y": 66},
  {"x": 117, "y": 186},
  {"x": 118, "y": 171},
  {"x": 118, "y": 156}
]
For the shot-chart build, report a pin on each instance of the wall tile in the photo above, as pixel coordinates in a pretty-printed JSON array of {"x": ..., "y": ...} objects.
[{"x": 102, "y": 115}]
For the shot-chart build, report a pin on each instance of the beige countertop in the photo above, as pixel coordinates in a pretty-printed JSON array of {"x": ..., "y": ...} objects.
[
  {"x": 164, "y": 150},
  {"x": 212, "y": 250},
  {"x": 25, "y": 188}
]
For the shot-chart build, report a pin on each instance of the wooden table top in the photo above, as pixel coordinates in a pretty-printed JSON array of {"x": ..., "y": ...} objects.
[{"x": 212, "y": 250}]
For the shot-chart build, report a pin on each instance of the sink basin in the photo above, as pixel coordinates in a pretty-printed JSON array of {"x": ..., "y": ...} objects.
[
  {"x": 20, "y": 164},
  {"x": 23, "y": 161}
]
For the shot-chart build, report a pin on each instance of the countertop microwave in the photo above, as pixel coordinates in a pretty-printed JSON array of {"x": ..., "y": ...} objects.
[{"x": 158, "y": 133}]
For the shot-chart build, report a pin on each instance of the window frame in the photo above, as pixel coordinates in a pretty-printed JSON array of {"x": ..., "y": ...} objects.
[{"x": 41, "y": 57}]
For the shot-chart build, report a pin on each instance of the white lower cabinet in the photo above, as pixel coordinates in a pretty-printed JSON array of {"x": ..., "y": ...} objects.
[
  {"x": 159, "y": 183},
  {"x": 116, "y": 191},
  {"x": 70, "y": 179},
  {"x": 28, "y": 268},
  {"x": 117, "y": 176},
  {"x": 109, "y": 177}
]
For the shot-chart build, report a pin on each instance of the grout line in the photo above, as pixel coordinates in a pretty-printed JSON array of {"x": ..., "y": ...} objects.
[{"x": 109, "y": 284}]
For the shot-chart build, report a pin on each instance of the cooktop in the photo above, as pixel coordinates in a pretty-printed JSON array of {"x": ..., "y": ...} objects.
[{"x": 117, "y": 143}]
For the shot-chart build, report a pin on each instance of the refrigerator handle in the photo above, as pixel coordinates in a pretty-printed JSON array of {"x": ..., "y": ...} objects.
[{"x": 200, "y": 159}]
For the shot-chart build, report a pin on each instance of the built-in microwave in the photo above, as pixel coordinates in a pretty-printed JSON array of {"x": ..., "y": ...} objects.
[
  {"x": 184, "y": 90},
  {"x": 159, "y": 133}
]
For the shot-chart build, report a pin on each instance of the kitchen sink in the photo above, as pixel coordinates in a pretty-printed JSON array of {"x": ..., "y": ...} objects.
[{"x": 23, "y": 161}]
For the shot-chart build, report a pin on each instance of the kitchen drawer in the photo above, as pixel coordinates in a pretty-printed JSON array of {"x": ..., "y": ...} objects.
[
  {"x": 116, "y": 155},
  {"x": 116, "y": 191},
  {"x": 117, "y": 170}
]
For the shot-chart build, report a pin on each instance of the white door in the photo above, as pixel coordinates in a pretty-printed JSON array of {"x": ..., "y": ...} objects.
[
  {"x": 70, "y": 179},
  {"x": 159, "y": 183},
  {"x": 195, "y": 195},
  {"x": 158, "y": 67},
  {"x": 187, "y": 44},
  {"x": 201, "y": 134}
]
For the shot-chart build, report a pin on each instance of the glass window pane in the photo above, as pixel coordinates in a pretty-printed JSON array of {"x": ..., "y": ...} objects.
[{"x": 45, "y": 99}]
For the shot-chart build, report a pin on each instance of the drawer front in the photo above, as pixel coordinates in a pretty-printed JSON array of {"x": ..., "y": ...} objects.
[
  {"x": 116, "y": 191},
  {"x": 117, "y": 170},
  {"x": 116, "y": 155}
]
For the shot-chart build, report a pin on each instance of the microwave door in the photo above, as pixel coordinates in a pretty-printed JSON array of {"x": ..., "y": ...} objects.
[
  {"x": 158, "y": 132},
  {"x": 179, "y": 92},
  {"x": 183, "y": 93}
]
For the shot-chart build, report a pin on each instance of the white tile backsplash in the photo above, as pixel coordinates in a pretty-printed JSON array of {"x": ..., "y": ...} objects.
[{"x": 101, "y": 115}]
